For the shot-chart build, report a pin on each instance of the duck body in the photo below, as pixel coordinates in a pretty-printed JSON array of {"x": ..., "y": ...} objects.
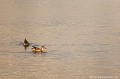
[
  {"x": 26, "y": 43},
  {"x": 36, "y": 49}
]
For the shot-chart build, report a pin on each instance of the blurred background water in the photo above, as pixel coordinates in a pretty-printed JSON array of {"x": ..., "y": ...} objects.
[{"x": 82, "y": 38}]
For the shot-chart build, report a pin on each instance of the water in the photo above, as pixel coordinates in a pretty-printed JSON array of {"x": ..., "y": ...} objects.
[{"x": 82, "y": 38}]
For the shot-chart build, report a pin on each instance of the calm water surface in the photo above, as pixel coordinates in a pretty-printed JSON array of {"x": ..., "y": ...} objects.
[{"x": 82, "y": 38}]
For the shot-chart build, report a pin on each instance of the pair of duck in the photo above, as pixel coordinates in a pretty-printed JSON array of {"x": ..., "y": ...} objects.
[{"x": 35, "y": 49}]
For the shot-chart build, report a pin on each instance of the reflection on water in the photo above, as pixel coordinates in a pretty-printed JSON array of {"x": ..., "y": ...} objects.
[{"x": 82, "y": 38}]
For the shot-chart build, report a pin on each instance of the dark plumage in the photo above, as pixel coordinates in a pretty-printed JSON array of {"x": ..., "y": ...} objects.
[{"x": 26, "y": 43}]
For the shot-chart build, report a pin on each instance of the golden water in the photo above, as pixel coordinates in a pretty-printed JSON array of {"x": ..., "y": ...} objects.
[{"x": 82, "y": 38}]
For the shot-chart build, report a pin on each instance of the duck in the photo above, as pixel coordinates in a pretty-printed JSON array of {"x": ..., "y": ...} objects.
[
  {"x": 26, "y": 43},
  {"x": 37, "y": 49}
]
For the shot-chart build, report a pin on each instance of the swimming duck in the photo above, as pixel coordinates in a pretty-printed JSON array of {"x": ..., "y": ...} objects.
[
  {"x": 26, "y": 43},
  {"x": 42, "y": 49}
]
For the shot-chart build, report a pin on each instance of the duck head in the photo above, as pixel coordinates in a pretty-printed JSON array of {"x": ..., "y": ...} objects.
[{"x": 43, "y": 49}]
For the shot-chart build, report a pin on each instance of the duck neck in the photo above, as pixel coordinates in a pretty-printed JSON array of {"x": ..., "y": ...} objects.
[{"x": 42, "y": 48}]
